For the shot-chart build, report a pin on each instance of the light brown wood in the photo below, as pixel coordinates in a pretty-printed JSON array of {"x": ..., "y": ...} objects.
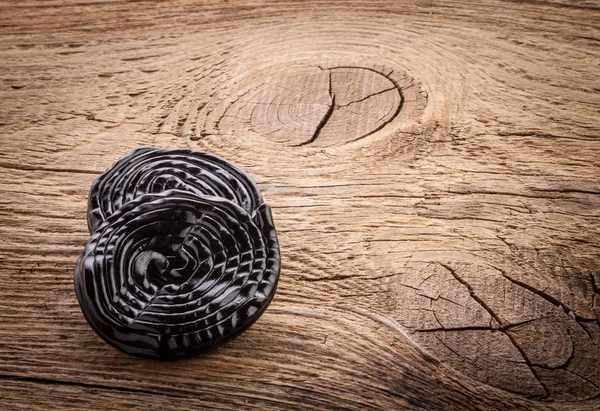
[{"x": 434, "y": 176}]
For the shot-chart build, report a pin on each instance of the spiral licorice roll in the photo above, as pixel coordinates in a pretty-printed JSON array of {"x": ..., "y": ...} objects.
[
  {"x": 172, "y": 274},
  {"x": 146, "y": 170}
]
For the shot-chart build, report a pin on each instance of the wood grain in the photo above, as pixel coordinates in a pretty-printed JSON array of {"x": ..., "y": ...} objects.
[{"x": 433, "y": 172}]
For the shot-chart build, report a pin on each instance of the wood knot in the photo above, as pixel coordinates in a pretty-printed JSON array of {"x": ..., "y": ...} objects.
[
  {"x": 313, "y": 105},
  {"x": 327, "y": 106},
  {"x": 515, "y": 329}
]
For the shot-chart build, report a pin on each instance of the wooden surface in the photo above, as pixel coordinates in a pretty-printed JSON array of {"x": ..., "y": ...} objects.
[{"x": 434, "y": 176}]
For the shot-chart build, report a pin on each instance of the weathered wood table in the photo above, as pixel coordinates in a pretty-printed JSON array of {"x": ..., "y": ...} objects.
[{"x": 433, "y": 171}]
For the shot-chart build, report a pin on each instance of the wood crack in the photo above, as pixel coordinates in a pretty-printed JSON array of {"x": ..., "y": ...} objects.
[
  {"x": 25, "y": 167},
  {"x": 542, "y": 294},
  {"x": 325, "y": 118},
  {"x": 498, "y": 320},
  {"x": 51, "y": 381},
  {"x": 333, "y": 106},
  {"x": 475, "y": 327},
  {"x": 472, "y": 293},
  {"x": 367, "y": 97}
]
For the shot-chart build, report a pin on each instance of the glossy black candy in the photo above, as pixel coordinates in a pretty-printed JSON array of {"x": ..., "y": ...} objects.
[
  {"x": 172, "y": 274},
  {"x": 183, "y": 254},
  {"x": 146, "y": 170}
]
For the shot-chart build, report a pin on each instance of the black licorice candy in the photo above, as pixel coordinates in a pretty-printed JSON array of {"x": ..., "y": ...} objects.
[
  {"x": 173, "y": 273},
  {"x": 145, "y": 170}
]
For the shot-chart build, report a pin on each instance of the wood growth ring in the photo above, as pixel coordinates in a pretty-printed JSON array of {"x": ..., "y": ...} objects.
[{"x": 312, "y": 105}]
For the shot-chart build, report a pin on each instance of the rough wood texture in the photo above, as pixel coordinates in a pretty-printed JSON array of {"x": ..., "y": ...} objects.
[{"x": 434, "y": 176}]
